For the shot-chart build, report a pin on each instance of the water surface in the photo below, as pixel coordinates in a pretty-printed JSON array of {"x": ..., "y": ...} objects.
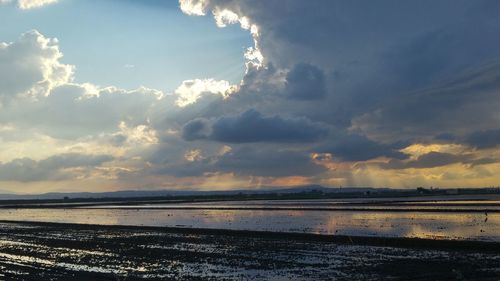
[{"x": 438, "y": 225}]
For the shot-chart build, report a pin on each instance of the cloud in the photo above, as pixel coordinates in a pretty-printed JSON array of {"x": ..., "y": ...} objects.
[
  {"x": 29, "y": 4},
  {"x": 244, "y": 161},
  {"x": 305, "y": 82},
  {"x": 196, "y": 129},
  {"x": 354, "y": 147},
  {"x": 193, "y": 7},
  {"x": 481, "y": 139},
  {"x": 27, "y": 170},
  {"x": 47, "y": 116},
  {"x": 38, "y": 95},
  {"x": 73, "y": 111},
  {"x": 484, "y": 139},
  {"x": 380, "y": 86},
  {"x": 435, "y": 159},
  {"x": 457, "y": 107},
  {"x": 367, "y": 64},
  {"x": 31, "y": 67},
  {"x": 268, "y": 163},
  {"x": 193, "y": 155},
  {"x": 252, "y": 126},
  {"x": 192, "y": 90}
]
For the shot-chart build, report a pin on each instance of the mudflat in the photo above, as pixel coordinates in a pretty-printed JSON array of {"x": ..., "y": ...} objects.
[{"x": 49, "y": 251}]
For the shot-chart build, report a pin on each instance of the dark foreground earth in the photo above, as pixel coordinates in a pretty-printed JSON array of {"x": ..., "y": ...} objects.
[{"x": 38, "y": 251}]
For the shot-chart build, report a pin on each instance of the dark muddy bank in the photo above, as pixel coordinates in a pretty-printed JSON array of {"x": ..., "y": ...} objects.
[{"x": 36, "y": 251}]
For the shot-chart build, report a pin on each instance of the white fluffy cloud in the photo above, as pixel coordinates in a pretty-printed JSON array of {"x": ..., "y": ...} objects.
[
  {"x": 30, "y": 67},
  {"x": 29, "y": 4},
  {"x": 193, "y": 7},
  {"x": 192, "y": 90},
  {"x": 74, "y": 111}
]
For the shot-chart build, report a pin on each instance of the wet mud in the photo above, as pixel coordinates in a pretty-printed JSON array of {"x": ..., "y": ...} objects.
[{"x": 48, "y": 251}]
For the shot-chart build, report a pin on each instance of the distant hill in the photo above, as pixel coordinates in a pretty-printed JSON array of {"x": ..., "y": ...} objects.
[{"x": 164, "y": 193}]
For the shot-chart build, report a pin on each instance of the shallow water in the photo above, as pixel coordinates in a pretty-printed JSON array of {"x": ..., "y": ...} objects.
[
  {"x": 438, "y": 225},
  {"x": 396, "y": 204},
  {"x": 319, "y": 207}
]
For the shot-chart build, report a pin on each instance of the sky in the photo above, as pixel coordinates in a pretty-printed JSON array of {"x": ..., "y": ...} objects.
[{"x": 225, "y": 94}]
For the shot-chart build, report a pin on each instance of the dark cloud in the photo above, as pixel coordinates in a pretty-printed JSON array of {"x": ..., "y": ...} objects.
[
  {"x": 305, "y": 82},
  {"x": 252, "y": 126},
  {"x": 359, "y": 148},
  {"x": 196, "y": 129},
  {"x": 249, "y": 161},
  {"x": 269, "y": 162},
  {"x": 446, "y": 137},
  {"x": 394, "y": 73},
  {"x": 26, "y": 170},
  {"x": 437, "y": 159},
  {"x": 414, "y": 48},
  {"x": 484, "y": 139},
  {"x": 458, "y": 107}
]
